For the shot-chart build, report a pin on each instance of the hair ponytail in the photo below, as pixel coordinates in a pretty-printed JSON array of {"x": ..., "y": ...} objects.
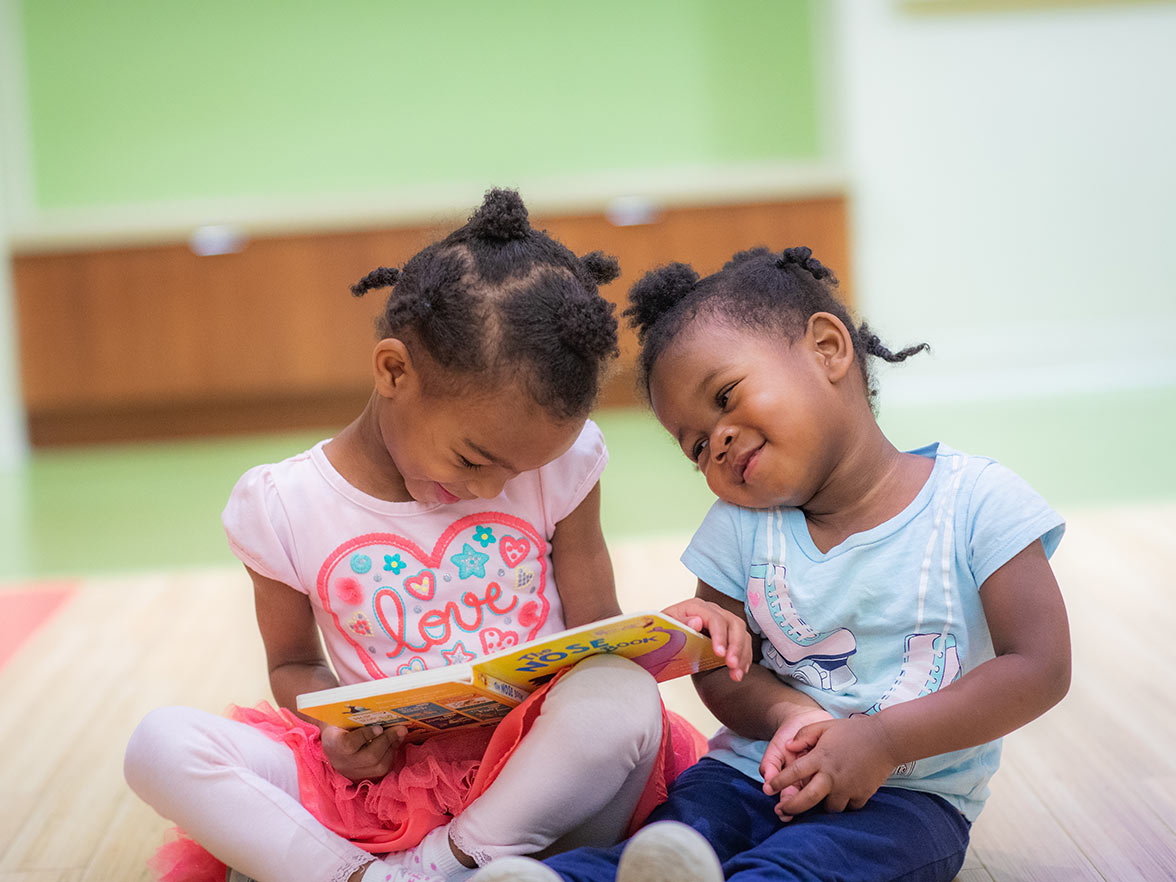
[
  {"x": 600, "y": 267},
  {"x": 656, "y": 293},
  {"x": 802, "y": 256},
  {"x": 502, "y": 216},
  {"x": 382, "y": 277},
  {"x": 871, "y": 345}
]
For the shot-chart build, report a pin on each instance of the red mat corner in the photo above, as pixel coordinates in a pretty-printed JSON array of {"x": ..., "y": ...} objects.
[{"x": 24, "y": 610}]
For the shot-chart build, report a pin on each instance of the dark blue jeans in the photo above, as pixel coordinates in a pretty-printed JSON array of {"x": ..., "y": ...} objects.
[{"x": 899, "y": 835}]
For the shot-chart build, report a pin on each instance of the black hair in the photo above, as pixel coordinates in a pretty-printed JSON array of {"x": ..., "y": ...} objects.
[
  {"x": 497, "y": 299},
  {"x": 757, "y": 289}
]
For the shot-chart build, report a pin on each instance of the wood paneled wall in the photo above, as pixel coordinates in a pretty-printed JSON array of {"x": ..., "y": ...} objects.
[{"x": 156, "y": 342}]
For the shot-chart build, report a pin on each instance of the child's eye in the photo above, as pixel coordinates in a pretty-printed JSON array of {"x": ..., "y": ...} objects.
[
  {"x": 698, "y": 448},
  {"x": 723, "y": 396},
  {"x": 466, "y": 464}
]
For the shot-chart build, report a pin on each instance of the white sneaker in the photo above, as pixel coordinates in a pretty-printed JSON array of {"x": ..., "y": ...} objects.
[
  {"x": 668, "y": 852},
  {"x": 515, "y": 869}
]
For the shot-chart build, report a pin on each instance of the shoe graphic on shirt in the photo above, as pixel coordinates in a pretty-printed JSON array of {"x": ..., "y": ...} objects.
[
  {"x": 818, "y": 658},
  {"x": 930, "y": 661}
]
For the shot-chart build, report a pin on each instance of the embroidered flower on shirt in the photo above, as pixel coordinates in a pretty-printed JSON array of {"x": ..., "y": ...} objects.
[
  {"x": 394, "y": 564},
  {"x": 483, "y": 535}
]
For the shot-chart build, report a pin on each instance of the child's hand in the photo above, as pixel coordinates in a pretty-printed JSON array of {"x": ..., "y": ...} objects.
[
  {"x": 842, "y": 762},
  {"x": 362, "y": 753},
  {"x": 778, "y": 756},
  {"x": 728, "y": 632}
]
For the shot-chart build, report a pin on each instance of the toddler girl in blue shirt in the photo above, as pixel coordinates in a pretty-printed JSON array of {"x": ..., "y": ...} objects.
[{"x": 904, "y": 608}]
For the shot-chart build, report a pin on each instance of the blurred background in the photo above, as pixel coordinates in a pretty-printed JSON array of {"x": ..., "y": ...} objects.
[{"x": 187, "y": 190}]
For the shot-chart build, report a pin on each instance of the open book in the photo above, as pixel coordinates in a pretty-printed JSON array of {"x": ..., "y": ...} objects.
[{"x": 482, "y": 692}]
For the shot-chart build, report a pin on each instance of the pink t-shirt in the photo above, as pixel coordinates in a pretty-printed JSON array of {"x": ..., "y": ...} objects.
[{"x": 401, "y": 586}]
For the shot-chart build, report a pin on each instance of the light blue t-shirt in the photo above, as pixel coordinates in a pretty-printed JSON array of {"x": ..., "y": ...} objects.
[{"x": 886, "y": 616}]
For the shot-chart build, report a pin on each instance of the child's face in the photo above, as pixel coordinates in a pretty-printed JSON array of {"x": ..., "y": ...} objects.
[
  {"x": 468, "y": 446},
  {"x": 754, "y": 411}
]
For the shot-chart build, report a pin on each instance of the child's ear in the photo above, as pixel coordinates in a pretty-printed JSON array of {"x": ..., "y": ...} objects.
[
  {"x": 831, "y": 343},
  {"x": 393, "y": 367}
]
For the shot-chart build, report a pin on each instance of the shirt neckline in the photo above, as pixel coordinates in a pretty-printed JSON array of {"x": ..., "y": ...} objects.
[
  {"x": 318, "y": 456},
  {"x": 798, "y": 526}
]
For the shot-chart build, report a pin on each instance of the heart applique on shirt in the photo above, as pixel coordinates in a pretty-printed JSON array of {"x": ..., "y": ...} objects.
[{"x": 451, "y": 594}]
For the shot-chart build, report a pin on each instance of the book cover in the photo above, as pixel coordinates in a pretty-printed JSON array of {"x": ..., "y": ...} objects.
[{"x": 482, "y": 692}]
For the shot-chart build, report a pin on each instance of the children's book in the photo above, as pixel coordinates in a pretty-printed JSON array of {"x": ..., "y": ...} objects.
[{"x": 482, "y": 692}]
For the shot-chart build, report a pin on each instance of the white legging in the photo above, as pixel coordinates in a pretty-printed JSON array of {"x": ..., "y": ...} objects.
[{"x": 574, "y": 780}]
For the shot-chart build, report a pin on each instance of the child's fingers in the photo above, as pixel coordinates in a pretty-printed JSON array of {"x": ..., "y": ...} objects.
[
  {"x": 791, "y": 773},
  {"x": 343, "y": 742},
  {"x": 807, "y": 737},
  {"x": 689, "y": 613},
  {"x": 736, "y": 640},
  {"x": 781, "y": 813},
  {"x": 719, "y": 630},
  {"x": 797, "y": 801},
  {"x": 768, "y": 771},
  {"x": 383, "y": 750},
  {"x": 396, "y": 736},
  {"x": 375, "y": 758},
  {"x": 725, "y": 639},
  {"x": 739, "y": 651},
  {"x": 729, "y": 638},
  {"x": 774, "y": 760},
  {"x": 358, "y": 739}
]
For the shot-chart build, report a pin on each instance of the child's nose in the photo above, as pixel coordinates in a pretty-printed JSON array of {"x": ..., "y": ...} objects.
[
  {"x": 721, "y": 444},
  {"x": 488, "y": 487}
]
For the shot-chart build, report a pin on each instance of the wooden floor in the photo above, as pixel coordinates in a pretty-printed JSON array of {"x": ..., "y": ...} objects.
[{"x": 1088, "y": 792}]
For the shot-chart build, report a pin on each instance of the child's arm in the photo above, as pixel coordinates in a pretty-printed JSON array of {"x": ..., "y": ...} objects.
[
  {"x": 296, "y": 664},
  {"x": 759, "y": 705},
  {"x": 848, "y": 760},
  {"x": 583, "y": 570}
]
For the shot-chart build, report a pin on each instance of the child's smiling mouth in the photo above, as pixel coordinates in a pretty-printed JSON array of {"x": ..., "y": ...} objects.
[{"x": 746, "y": 462}]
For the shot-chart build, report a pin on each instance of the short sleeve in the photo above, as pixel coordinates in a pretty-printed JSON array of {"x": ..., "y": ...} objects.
[
  {"x": 1006, "y": 515},
  {"x": 258, "y": 529},
  {"x": 715, "y": 553},
  {"x": 565, "y": 481}
]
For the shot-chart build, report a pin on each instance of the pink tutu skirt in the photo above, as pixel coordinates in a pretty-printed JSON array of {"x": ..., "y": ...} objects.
[{"x": 429, "y": 783}]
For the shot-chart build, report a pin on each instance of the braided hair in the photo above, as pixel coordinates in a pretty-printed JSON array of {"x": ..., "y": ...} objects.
[
  {"x": 497, "y": 299},
  {"x": 755, "y": 289}
]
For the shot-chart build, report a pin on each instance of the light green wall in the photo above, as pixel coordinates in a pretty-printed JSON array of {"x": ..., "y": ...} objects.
[
  {"x": 134, "y": 101},
  {"x": 107, "y": 509}
]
